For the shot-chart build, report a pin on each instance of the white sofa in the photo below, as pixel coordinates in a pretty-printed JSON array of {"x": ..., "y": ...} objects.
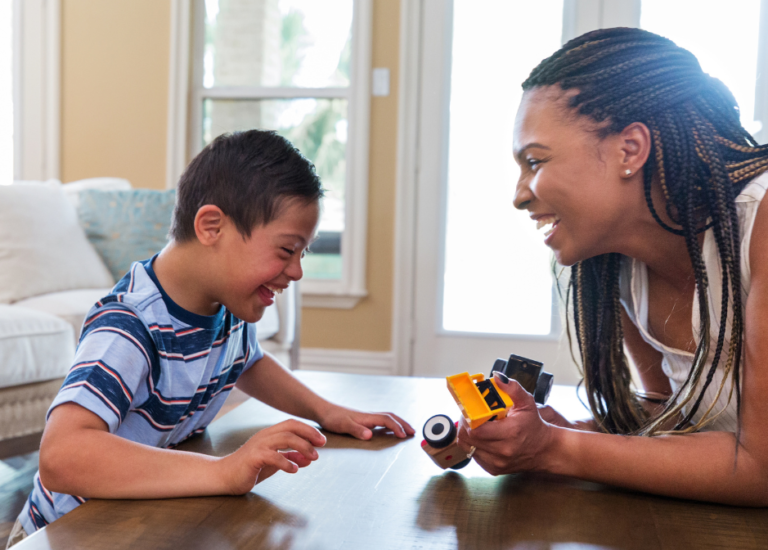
[{"x": 43, "y": 301}]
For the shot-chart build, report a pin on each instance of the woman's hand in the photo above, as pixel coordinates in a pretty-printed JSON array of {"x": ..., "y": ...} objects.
[
  {"x": 519, "y": 442},
  {"x": 359, "y": 424},
  {"x": 550, "y": 415}
]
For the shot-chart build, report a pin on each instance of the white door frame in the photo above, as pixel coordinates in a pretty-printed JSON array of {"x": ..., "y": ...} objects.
[
  {"x": 36, "y": 89},
  {"x": 405, "y": 186}
]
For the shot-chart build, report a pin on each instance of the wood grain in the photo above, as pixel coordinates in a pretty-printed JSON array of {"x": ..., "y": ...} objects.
[{"x": 387, "y": 493}]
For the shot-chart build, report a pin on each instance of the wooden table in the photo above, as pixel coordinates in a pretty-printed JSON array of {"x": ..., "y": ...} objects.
[{"x": 386, "y": 493}]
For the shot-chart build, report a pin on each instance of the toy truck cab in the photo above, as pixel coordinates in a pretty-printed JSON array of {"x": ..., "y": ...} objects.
[{"x": 480, "y": 400}]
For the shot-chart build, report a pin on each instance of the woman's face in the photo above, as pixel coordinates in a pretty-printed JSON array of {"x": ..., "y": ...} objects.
[{"x": 570, "y": 180}]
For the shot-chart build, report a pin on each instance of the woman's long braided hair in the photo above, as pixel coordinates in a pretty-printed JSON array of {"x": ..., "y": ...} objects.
[{"x": 702, "y": 158}]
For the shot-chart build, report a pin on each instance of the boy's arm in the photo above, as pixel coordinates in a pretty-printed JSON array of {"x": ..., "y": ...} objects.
[
  {"x": 79, "y": 456},
  {"x": 270, "y": 382}
]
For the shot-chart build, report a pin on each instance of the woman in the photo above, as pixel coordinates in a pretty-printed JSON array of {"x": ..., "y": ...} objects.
[{"x": 638, "y": 161}]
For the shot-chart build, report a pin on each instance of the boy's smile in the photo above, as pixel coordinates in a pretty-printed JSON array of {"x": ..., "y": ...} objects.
[
  {"x": 264, "y": 264},
  {"x": 222, "y": 266}
]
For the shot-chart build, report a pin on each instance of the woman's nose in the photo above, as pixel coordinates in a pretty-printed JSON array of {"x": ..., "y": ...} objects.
[{"x": 523, "y": 196}]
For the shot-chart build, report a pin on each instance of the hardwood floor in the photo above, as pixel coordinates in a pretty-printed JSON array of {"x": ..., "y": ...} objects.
[{"x": 18, "y": 472}]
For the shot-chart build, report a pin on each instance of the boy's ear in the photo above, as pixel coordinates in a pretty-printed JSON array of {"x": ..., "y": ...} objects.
[{"x": 209, "y": 222}]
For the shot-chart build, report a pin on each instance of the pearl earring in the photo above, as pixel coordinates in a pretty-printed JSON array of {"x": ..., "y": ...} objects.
[{"x": 627, "y": 172}]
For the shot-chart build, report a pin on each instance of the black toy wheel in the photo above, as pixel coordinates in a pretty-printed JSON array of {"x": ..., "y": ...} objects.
[
  {"x": 439, "y": 431},
  {"x": 543, "y": 387}
]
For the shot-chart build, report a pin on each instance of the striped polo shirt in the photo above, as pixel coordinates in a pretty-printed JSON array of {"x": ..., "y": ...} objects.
[{"x": 153, "y": 371}]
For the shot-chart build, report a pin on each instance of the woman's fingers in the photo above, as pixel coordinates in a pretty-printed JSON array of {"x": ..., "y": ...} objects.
[
  {"x": 521, "y": 399},
  {"x": 488, "y": 462}
]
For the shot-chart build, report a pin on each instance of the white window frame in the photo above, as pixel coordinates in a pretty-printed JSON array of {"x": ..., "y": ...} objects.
[
  {"x": 186, "y": 96},
  {"x": 36, "y": 85}
]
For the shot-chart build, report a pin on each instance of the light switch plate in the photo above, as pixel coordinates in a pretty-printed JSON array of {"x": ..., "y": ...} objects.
[{"x": 380, "y": 84}]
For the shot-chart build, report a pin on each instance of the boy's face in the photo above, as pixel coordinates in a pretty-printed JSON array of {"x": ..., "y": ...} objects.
[{"x": 256, "y": 267}]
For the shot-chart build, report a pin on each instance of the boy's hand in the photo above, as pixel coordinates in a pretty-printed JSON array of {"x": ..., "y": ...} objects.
[
  {"x": 261, "y": 455},
  {"x": 359, "y": 424}
]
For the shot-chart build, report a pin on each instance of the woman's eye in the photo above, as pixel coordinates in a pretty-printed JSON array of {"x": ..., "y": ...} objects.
[
  {"x": 288, "y": 250},
  {"x": 533, "y": 163}
]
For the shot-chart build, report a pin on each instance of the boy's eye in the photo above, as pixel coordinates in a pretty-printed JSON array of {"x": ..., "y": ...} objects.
[{"x": 288, "y": 250}]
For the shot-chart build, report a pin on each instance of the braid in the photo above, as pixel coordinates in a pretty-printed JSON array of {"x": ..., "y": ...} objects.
[{"x": 701, "y": 157}]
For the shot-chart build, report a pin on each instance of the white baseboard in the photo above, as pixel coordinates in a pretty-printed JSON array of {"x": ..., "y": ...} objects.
[{"x": 347, "y": 360}]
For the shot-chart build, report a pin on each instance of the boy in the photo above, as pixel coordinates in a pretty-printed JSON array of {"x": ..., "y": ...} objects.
[{"x": 159, "y": 355}]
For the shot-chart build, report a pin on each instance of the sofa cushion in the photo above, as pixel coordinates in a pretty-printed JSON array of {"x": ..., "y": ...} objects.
[
  {"x": 70, "y": 305},
  {"x": 74, "y": 188},
  {"x": 42, "y": 246},
  {"x": 34, "y": 346},
  {"x": 126, "y": 226}
]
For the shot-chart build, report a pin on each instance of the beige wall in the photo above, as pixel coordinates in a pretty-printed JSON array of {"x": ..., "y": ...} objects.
[
  {"x": 114, "y": 89},
  {"x": 114, "y": 110}
]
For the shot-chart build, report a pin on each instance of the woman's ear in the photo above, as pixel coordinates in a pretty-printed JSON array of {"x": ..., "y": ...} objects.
[
  {"x": 635, "y": 143},
  {"x": 209, "y": 222}
]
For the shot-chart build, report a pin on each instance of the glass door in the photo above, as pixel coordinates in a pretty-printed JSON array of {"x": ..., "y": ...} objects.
[{"x": 484, "y": 283}]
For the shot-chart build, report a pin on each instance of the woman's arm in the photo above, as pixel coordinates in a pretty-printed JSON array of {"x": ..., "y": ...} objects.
[
  {"x": 711, "y": 466},
  {"x": 700, "y": 466}
]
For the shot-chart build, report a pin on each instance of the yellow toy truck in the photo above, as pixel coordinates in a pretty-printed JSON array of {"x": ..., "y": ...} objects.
[{"x": 480, "y": 400}]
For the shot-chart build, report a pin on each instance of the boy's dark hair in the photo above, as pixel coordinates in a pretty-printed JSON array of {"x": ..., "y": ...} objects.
[{"x": 246, "y": 174}]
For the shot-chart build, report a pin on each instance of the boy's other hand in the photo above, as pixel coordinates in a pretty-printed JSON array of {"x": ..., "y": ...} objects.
[
  {"x": 360, "y": 424},
  {"x": 261, "y": 456}
]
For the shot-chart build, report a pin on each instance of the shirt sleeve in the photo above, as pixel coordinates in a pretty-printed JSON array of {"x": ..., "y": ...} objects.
[{"x": 112, "y": 360}]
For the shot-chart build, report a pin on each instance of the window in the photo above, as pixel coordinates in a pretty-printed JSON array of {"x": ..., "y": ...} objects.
[
  {"x": 29, "y": 90},
  {"x": 300, "y": 67},
  {"x": 488, "y": 288}
]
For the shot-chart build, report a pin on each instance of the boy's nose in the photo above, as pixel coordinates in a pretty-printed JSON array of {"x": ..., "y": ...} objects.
[{"x": 294, "y": 270}]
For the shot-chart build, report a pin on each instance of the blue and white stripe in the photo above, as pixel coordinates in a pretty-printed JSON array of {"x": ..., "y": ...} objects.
[{"x": 154, "y": 372}]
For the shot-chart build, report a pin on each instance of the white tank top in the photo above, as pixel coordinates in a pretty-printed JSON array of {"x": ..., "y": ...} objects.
[{"x": 676, "y": 363}]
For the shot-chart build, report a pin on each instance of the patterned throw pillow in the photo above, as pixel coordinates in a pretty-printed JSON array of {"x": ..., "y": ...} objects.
[{"x": 126, "y": 226}]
